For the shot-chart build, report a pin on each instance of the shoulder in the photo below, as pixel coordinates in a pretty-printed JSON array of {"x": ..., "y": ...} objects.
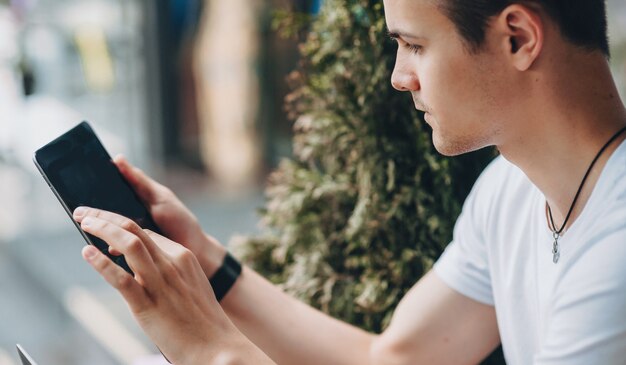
[{"x": 501, "y": 186}]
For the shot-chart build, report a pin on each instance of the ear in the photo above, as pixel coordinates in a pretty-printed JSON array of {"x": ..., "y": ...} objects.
[{"x": 524, "y": 32}]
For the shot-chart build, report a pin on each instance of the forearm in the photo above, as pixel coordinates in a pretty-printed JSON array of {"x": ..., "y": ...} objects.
[{"x": 289, "y": 331}]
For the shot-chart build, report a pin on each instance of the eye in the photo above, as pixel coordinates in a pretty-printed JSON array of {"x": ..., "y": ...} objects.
[{"x": 415, "y": 48}]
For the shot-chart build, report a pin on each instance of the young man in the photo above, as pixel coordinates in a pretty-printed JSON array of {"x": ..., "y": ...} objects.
[{"x": 538, "y": 260}]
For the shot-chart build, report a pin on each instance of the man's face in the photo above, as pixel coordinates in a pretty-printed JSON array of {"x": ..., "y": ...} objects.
[{"x": 462, "y": 93}]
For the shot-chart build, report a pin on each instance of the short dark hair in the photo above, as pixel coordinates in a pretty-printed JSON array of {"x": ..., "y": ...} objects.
[{"x": 582, "y": 22}]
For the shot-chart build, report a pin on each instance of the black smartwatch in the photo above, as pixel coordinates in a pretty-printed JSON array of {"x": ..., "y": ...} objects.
[{"x": 225, "y": 277}]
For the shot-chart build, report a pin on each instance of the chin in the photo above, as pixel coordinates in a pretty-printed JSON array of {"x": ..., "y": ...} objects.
[
  {"x": 449, "y": 152},
  {"x": 455, "y": 146}
]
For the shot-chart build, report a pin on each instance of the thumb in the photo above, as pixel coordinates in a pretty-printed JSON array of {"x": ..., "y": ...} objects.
[{"x": 144, "y": 186}]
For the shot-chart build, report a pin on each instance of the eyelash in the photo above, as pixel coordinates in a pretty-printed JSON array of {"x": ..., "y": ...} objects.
[{"x": 414, "y": 48}]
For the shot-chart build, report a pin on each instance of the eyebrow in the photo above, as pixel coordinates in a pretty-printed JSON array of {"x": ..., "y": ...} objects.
[{"x": 395, "y": 34}]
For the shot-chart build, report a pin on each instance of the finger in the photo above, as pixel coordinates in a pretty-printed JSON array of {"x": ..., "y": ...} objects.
[
  {"x": 163, "y": 243},
  {"x": 114, "y": 252},
  {"x": 130, "y": 245},
  {"x": 179, "y": 257},
  {"x": 123, "y": 222},
  {"x": 130, "y": 289},
  {"x": 146, "y": 188}
]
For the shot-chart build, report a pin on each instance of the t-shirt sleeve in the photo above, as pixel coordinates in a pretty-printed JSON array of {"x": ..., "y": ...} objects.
[
  {"x": 588, "y": 320},
  {"x": 464, "y": 265}
]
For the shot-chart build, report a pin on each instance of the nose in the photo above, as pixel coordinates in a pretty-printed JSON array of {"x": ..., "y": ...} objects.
[{"x": 403, "y": 78}]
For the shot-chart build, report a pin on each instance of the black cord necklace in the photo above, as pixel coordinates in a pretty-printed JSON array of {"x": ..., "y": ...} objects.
[{"x": 556, "y": 233}]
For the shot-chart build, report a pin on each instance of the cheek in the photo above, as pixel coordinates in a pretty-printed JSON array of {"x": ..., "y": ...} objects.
[{"x": 448, "y": 90}]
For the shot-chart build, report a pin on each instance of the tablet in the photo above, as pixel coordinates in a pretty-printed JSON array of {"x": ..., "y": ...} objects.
[
  {"x": 24, "y": 356},
  {"x": 80, "y": 172}
]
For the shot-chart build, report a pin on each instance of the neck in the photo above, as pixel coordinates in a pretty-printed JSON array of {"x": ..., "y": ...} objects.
[{"x": 570, "y": 119}]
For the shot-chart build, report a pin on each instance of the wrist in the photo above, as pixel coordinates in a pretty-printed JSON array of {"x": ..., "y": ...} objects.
[
  {"x": 211, "y": 256},
  {"x": 219, "y": 266},
  {"x": 225, "y": 277}
]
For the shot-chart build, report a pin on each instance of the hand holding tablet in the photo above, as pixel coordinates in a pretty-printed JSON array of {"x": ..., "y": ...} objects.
[
  {"x": 80, "y": 172},
  {"x": 162, "y": 280}
]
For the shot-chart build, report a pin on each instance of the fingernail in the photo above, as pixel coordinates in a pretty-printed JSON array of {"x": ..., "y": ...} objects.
[
  {"x": 87, "y": 221},
  {"x": 79, "y": 212},
  {"x": 90, "y": 252}
]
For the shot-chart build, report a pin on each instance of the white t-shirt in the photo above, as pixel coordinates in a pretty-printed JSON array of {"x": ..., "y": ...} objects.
[{"x": 572, "y": 312}]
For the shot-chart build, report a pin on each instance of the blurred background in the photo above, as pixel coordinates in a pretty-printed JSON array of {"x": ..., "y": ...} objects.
[{"x": 190, "y": 90}]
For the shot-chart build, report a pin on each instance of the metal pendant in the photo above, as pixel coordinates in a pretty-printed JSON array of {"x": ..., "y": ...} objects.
[{"x": 555, "y": 248}]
